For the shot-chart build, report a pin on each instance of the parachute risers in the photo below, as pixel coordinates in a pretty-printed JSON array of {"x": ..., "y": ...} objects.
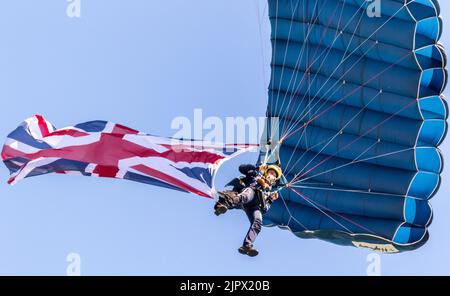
[{"x": 270, "y": 142}]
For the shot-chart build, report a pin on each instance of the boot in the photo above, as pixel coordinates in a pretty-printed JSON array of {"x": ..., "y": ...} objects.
[
  {"x": 229, "y": 198},
  {"x": 220, "y": 208},
  {"x": 248, "y": 250}
]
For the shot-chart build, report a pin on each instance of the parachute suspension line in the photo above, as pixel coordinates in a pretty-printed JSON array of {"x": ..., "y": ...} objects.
[
  {"x": 354, "y": 162},
  {"x": 291, "y": 217},
  {"x": 309, "y": 107},
  {"x": 288, "y": 170},
  {"x": 331, "y": 88},
  {"x": 316, "y": 187},
  {"x": 298, "y": 63},
  {"x": 329, "y": 50},
  {"x": 294, "y": 94},
  {"x": 304, "y": 46},
  {"x": 349, "y": 144},
  {"x": 322, "y": 209},
  {"x": 357, "y": 48},
  {"x": 310, "y": 25},
  {"x": 272, "y": 152},
  {"x": 354, "y": 141},
  {"x": 266, "y": 157},
  {"x": 345, "y": 97},
  {"x": 298, "y": 88},
  {"x": 260, "y": 16},
  {"x": 287, "y": 46},
  {"x": 300, "y": 57},
  {"x": 274, "y": 50},
  {"x": 271, "y": 135},
  {"x": 311, "y": 184},
  {"x": 331, "y": 139},
  {"x": 294, "y": 180},
  {"x": 346, "y": 58},
  {"x": 339, "y": 132}
]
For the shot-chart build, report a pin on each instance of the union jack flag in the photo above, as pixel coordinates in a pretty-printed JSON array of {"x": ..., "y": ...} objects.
[{"x": 105, "y": 149}]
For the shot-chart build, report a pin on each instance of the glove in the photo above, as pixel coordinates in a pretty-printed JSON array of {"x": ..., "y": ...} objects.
[{"x": 275, "y": 196}]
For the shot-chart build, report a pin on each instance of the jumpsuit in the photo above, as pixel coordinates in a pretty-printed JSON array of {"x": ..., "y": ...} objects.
[{"x": 250, "y": 203}]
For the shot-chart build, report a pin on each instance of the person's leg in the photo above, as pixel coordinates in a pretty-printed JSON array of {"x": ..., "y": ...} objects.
[
  {"x": 229, "y": 200},
  {"x": 255, "y": 217},
  {"x": 246, "y": 196}
]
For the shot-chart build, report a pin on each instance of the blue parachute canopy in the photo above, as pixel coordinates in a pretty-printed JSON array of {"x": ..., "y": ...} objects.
[{"x": 361, "y": 113}]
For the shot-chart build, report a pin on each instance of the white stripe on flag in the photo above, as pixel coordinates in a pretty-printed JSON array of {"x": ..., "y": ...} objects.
[
  {"x": 109, "y": 127},
  {"x": 69, "y": 141},
  {"x": 33, "y": 127},
  {"x": 29, "y": 167},
  {"x": 19, "y": 146},
  {"x": 90, "y": 168},
  {"x": 166, "y": 167}
]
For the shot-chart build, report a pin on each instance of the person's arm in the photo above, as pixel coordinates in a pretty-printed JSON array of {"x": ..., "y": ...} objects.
[
  {"x": 263, "y": 183},
  {"x": 247, "y": 169},
  {"x": 274, "y": 196},
  {"x": 280, "y": 183}
]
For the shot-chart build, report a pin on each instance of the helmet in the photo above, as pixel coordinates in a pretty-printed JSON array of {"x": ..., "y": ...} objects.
[{"x": 275, "y": 168}]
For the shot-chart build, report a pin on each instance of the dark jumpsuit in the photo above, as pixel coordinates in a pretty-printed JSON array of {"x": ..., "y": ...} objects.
[{"x": 250, "y": 202}]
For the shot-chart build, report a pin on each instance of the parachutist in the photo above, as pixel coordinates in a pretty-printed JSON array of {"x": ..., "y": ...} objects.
[{"x": 254, "y": 193}]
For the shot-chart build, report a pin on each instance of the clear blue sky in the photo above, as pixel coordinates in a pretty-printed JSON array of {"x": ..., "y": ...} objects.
[{"x": 141, "y": 63}]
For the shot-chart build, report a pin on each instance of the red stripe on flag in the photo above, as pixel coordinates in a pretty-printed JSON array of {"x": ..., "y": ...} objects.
[
  {"x": 110, "y": 149},
  {"x": 42, "y": 125},
  {"x": 9, "y": 152},
  {"x": 168, "y": 179},
  {"x": 106, "y": 171},
  {"x": 123, "y": 130},
  {"x": 68, "y": 132}
]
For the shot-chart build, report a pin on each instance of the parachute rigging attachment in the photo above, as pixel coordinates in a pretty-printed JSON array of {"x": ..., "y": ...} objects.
[{"x": 270, "y": 142}]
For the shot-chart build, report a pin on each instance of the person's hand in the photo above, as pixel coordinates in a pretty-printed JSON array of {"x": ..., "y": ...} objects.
[
  {"x": 262, "y": 167},
  {"x": 261, "y": 181},
  {"x": 275, "y": 196}
]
